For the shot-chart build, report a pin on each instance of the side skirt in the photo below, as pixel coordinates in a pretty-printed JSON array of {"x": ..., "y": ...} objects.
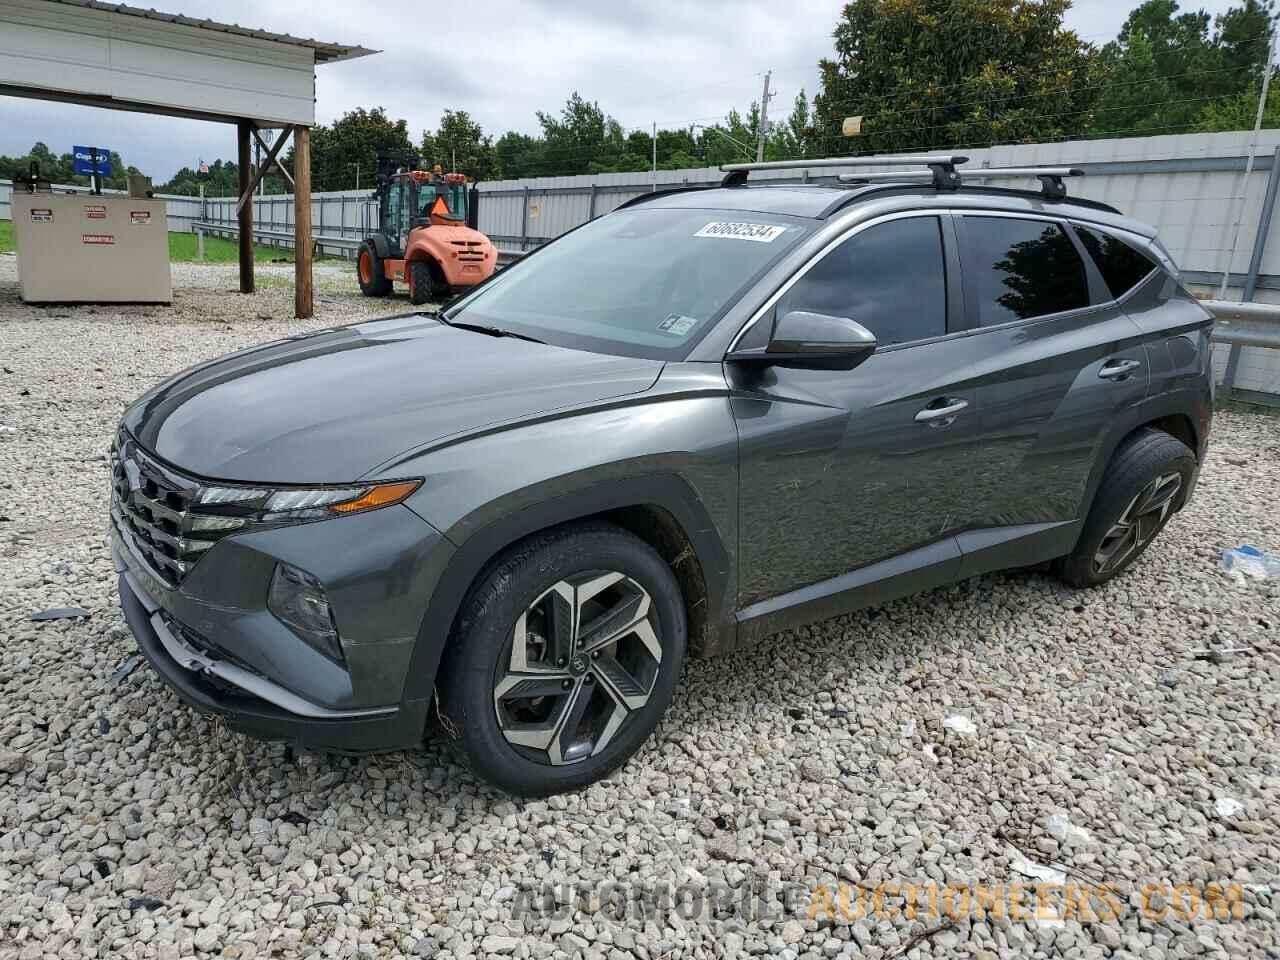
[{"x": 924, "y": 568}]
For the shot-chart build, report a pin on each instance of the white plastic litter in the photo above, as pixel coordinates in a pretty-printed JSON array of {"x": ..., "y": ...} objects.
[
  {"x": 1063, "y": 830},
  {"x": 1251, "y": 562},
  {"x": 961, "y": 725},
  {"x": 909, "y": 728},
  {"x": 1227, "y": 806}
]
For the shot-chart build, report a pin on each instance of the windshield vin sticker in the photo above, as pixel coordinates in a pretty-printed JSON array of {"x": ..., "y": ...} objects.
[{"x": 757, "y": 232}]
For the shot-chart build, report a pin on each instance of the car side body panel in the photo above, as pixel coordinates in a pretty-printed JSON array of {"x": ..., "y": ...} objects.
[{"x": 672, "y": 448}]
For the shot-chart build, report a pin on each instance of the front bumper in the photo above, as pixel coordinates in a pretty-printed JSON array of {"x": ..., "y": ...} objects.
[
  {"x": 212, "y": 638},
  {"x": 395, "y": 728}
]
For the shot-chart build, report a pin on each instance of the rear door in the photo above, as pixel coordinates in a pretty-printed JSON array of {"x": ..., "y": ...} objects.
[
  {"x": 1060, "y": 359},
  {"x": 843, "y": 468}
]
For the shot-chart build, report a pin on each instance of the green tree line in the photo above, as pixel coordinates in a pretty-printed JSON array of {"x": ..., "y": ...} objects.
[{"x": 914, "y": 75}]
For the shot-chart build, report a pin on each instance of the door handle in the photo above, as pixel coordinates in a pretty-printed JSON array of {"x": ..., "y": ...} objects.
[
  {"x": 1118, "y": 369},
  {"x": 940, "y": 416}
]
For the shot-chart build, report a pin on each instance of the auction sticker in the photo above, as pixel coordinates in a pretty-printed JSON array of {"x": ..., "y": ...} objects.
[
  {"x": 41, "y": 215},
  {"x": 758, "y": 232},
  {"x": 139, "y": 216},
  {"x": 98, "y": 238},
  {"x": 95, "y": 211},
  {"x": 677, "y": 325}
]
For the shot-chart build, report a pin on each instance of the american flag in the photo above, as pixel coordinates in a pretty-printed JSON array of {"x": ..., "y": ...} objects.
[{"x": 204, "y": 167}]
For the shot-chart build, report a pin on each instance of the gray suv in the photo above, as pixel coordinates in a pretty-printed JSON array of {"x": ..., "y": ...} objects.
[{"x": 701, "y": 419}]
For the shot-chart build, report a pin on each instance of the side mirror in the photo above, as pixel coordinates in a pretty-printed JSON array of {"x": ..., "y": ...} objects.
[{"x": 813, "y": 341}]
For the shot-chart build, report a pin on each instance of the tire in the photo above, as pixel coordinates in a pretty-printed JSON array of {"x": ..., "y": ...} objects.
[
  {"x": 549, "y": 715},
  {"x": 369, "y": 272},
  {"x": 1146, "y": 483},
  {"x": 423, "y": 285}
]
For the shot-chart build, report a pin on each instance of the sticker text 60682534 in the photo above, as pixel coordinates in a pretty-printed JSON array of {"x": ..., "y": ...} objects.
[{"x": 758, "y": 232}]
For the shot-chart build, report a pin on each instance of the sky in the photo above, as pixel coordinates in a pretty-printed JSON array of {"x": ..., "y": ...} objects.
[{"x": 675, "y": 62}]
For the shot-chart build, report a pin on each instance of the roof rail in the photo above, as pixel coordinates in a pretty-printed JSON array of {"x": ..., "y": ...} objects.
[
  {"x": 941, "y": 165},
  {"x": 1051, "y": 185}
]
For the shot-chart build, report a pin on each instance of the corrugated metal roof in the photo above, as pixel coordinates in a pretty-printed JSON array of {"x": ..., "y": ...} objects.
[{"x": 324, "y": 52}]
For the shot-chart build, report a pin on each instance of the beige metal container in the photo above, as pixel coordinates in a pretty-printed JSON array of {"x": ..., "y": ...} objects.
[{"x": 78, "y": 248}]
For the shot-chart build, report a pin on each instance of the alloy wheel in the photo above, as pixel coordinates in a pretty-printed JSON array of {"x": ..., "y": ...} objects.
[
  {"x": 1139, "y": 522},
  {"x": 581, "y": 661}
]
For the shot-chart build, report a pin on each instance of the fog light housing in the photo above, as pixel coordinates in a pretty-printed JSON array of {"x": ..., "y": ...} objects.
[{"x": 298, "y": 600}]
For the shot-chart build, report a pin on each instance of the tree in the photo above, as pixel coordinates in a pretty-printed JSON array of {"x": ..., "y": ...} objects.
[
  {"x": 519, "y": 155},
  {"x": 1166, "y": 69},
  {"x": 459, "y": 144},
  {"x": 357, "y": 138},
  {"x": 925, "y": 74},
  {"x": 59, "y": 168}
]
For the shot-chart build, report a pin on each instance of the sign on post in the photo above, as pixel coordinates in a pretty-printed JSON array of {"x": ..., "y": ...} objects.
[{"x": 91, "y": 161}]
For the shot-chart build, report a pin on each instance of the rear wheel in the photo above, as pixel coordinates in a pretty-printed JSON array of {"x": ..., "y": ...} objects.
[
  {"x": 370, "y": 272},
  {"x": 565, "y": 658},
  {"x": 1145, "y": 484},
  {"x": 425, "y": 283}
]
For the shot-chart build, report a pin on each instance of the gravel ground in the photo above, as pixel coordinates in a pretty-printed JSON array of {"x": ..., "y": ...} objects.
[{"x": 989, "y": 735}]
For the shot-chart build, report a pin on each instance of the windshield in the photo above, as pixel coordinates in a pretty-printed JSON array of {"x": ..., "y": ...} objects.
[
  {"x": 641, "y": 283},
  {"x": 454, "y": 196}
]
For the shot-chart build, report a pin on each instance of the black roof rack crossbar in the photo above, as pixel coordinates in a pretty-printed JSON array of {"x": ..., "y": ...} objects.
[
  {"x": 1051, "y": 185},
  {"x": 942, "y": 166}
]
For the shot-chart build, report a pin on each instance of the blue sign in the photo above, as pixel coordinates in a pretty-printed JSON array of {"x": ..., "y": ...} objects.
[{"x": 90, "y": 160}]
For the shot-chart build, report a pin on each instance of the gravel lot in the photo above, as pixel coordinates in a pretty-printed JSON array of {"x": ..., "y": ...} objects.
[{"x": 1092, "y": 747}]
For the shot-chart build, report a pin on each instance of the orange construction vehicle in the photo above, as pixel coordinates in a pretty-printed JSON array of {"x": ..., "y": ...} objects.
[{"x": 423, "y": 237}]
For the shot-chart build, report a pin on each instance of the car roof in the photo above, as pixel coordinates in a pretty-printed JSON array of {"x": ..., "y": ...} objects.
[{"x": 820, "y": 202}]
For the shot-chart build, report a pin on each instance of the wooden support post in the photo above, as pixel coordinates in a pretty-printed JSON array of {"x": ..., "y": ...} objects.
[
  {"x": 303, "y": 305},
  {"x": 246, "y": 210}
]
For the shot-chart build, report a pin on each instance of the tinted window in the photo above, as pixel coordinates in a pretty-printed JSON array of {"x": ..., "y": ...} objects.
[
  {"x": 1121, "y": 265},
  {"x": 1016, "y": 269},
  {"x": 890, "y": 278}
]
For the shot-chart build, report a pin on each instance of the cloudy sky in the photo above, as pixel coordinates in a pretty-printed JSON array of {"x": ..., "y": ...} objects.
[{"x": 672, "y": 61}]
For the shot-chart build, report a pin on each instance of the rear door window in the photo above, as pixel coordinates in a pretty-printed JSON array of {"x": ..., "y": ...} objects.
[
  {"x": 1019, "y": 268},
  {"x": 1121, "y": 266},
  {"x": 891, "y": 278}
]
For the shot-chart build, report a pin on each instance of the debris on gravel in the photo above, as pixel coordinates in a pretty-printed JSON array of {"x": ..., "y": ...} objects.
[{"x": 815, "y": 796}]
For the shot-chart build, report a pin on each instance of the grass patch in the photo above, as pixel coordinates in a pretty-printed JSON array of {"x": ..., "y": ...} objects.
[{"x": 182, "y": 248}]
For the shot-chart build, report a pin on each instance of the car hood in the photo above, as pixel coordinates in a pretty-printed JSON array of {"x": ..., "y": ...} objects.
[{"x": 329, "y": 407}]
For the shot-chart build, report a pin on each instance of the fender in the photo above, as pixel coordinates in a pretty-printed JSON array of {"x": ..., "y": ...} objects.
[
  {"x": 667, "y": 491},
  {"x": 380, "y": 245}
]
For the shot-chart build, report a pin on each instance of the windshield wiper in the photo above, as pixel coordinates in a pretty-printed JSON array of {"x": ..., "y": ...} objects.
[{"x": 483, "y": 328}]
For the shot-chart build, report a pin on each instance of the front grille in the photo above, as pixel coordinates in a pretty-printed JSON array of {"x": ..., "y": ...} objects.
[
  {"x": 469, "y": 251},
  {"x": 151, "y": 510}
]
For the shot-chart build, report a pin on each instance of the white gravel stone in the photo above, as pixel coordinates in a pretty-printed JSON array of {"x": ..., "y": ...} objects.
[{"x": 131, "y": 826}]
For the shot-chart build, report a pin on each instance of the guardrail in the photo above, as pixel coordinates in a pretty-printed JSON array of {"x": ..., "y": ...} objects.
[
  {"x": 347, "y": 246},
  {"x": 1245, "y": 324}
]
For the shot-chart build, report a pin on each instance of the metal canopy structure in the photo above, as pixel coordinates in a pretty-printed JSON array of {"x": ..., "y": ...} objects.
[{"x": 127, "y": 58}]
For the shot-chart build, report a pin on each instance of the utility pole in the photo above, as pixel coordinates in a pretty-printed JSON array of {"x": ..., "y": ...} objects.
[
  {"x": 655, "y": 156},
  {"x": 764, "y": 117},
  {"x": 1248, "y": 168},
  {"x": 356, "y": 164}
]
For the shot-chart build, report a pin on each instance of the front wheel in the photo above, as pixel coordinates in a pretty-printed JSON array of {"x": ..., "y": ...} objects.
[
  {"x": 370, "y": 272},
  {"x": 566, "y": 657},
  {"x": 1146, "y": 482}
]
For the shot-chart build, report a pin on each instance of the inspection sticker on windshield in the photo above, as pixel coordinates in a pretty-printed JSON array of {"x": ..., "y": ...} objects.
[
  {"x": 758, "y": 232},
  {"x": 677, "y": 325}
]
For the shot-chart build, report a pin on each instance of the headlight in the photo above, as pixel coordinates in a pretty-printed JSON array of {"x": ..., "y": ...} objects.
[
  {"x": 298, "y": 600},
  {"x": 302, "y": 503}
]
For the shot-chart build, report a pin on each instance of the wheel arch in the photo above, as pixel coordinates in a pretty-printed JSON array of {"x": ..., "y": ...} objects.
[
  {"x": 1167, "y": 413},
  {"x": 380, "y": 245},
  {"x": 663, "y": 511}
]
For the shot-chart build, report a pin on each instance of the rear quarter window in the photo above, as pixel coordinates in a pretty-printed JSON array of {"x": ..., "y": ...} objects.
[{"x": 1121, "y": 266}]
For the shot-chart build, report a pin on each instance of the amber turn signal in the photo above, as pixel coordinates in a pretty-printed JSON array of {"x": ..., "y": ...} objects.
[{"x": 380, "y": 496}]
